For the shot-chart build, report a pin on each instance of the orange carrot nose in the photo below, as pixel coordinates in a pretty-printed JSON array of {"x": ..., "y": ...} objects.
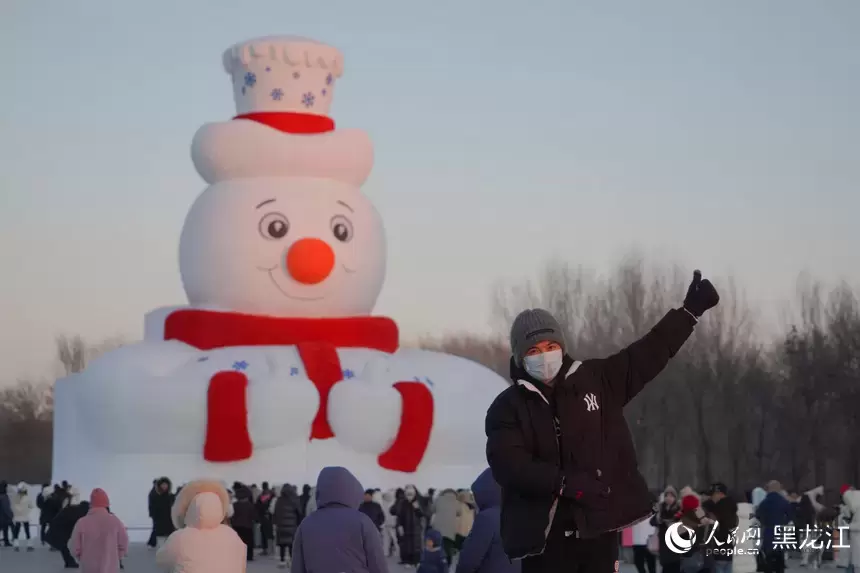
[{"x": 310, "y": 261}]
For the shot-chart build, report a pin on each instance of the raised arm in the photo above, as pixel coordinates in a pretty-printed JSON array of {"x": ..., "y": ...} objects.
[
  {"x": 626, "y": 373},
  {"x": 512, "y": 463}
]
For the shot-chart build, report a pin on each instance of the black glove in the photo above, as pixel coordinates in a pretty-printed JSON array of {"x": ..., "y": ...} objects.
[
  {"x": 701, "y": 295},
  {"x": 586, "y": 490}
]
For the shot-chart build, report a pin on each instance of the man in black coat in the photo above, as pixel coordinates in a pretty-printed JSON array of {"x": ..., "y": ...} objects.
[
  {"x": 151, "y": 501},
  {"x": 372, "y": 510},
  {"x": 50, "y": 508},
  {"x": 559, "y": 446},
  {"x": 724, "y": 511},
  {"x": 61, "y": 527},
  {"x": 160, "y": 506},
  {"x": 6, "y": 515}
]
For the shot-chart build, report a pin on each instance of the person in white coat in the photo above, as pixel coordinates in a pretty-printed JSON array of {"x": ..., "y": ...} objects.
[
  {"x": 22, "y": 507},
  {"x": 642, "y": 555},
  {"x": 312, "y": 502},
  {"x": 851, "y": 498},
  {"x": 202, "y": 543},
  {"x": 743, "y": 561},
  {"x": 389, "y": 531},
  {"x": 806, "y": 516},
  {"x": 843, "y": 521},
  {"x": 445, "y": 520}
]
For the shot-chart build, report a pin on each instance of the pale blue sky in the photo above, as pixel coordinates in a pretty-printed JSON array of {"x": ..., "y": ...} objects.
[{"x": 724, "y": 135}]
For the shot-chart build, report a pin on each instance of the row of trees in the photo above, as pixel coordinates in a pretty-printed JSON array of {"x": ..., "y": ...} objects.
[
  {"x": 26, "y": 414},
  {"x": 734, "y": 405}
]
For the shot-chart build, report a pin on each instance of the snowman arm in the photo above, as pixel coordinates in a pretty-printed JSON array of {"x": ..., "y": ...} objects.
[
  {"x": 510, "y": 460},
  {"x": 416, "y": 424},
  {"x": 391, "y": 421}
]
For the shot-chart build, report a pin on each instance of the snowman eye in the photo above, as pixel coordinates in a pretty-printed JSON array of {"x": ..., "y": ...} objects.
[
  {"x": 274, "y": 226},
  {"x": 341, "y": 228}
]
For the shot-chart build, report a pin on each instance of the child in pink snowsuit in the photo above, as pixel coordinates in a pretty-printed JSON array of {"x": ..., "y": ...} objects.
[{"x": 99, "y": 539}]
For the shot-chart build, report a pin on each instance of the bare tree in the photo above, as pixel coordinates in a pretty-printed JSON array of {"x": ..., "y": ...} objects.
[
  {"x": 26, "y": 413},
  {"x": 491, "y": 352},
  {"x": 25, "y": 431},
  {"x": 719, "y": 356},
  {"x": 74, "y": 353}
]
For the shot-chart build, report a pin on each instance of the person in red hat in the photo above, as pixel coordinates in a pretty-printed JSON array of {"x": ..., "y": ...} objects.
[{"x": 694, "y": 524}]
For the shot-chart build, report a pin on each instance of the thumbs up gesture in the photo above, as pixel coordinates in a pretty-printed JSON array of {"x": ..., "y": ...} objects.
[{"x": 701, "y": 295}]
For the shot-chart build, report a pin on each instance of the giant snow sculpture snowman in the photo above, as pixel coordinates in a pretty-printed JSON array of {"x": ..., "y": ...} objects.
[{"x": 276, "y": 367}]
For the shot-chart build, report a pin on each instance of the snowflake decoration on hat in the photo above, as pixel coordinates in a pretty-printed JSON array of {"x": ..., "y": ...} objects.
[
  {"x": 329, "y": 79},
  {"x": 250, "y": 79},
  {"x": 296, "y": 75},
  {"x": 324, "y": 91},
  {"x": 277, "y": 94},
  {"x": 308, "y": 100}
]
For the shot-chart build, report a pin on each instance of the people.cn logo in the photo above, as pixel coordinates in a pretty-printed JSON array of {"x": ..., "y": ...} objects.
[{"x": 675, "y": 540}]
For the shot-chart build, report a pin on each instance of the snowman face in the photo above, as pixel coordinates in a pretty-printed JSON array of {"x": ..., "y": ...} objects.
[{"x": 297, "y": 247}]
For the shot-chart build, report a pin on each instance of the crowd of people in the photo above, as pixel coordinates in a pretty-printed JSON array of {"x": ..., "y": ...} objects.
[
  {"x": 67, "y": 524},
  {"x": 267, "y": 517},
  {"x": 201, "y": 525},
  {"x": 722, "y": 534},
  {"x": 209, "y": 525}
]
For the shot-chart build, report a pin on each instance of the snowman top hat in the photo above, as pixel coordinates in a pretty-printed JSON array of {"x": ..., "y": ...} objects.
[
  {"x": 285, "y": 74},
  {"x": 282, "y": 88}
]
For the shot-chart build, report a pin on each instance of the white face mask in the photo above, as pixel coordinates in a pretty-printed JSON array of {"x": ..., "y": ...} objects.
[{"x": 543, "y": 366}]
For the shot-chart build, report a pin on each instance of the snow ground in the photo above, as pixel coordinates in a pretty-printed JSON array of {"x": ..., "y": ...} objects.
[{"x": 142, "y": 560}]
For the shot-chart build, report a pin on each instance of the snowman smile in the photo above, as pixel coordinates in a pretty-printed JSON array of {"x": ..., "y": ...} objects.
[{"x": 271, "y": 272}]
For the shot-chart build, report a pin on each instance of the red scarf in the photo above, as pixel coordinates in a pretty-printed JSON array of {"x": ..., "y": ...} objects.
[{"x": 317, "y": 340}]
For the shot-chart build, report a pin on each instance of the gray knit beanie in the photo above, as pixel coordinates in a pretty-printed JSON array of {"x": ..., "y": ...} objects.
[{"x": 531, "y": 326}]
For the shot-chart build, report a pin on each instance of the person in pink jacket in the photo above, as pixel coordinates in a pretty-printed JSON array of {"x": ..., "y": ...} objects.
[
  {"x": 99, "y": 539},
  {"x": 202, "y": 543}
]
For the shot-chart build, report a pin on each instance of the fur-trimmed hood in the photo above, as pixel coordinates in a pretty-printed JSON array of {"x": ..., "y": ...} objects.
[{"x": 203, "y": 509}]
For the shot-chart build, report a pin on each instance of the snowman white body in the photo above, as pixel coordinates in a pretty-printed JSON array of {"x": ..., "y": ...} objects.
[{"x": 282, "y": 231}]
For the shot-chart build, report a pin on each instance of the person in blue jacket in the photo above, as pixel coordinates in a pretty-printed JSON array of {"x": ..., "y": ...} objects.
[
  {"x": 433, "y": 559},
  {"x": 774, "y": 511},
  {"x": 338, "y": 537},
  {"x": 482, "y": 551}
]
